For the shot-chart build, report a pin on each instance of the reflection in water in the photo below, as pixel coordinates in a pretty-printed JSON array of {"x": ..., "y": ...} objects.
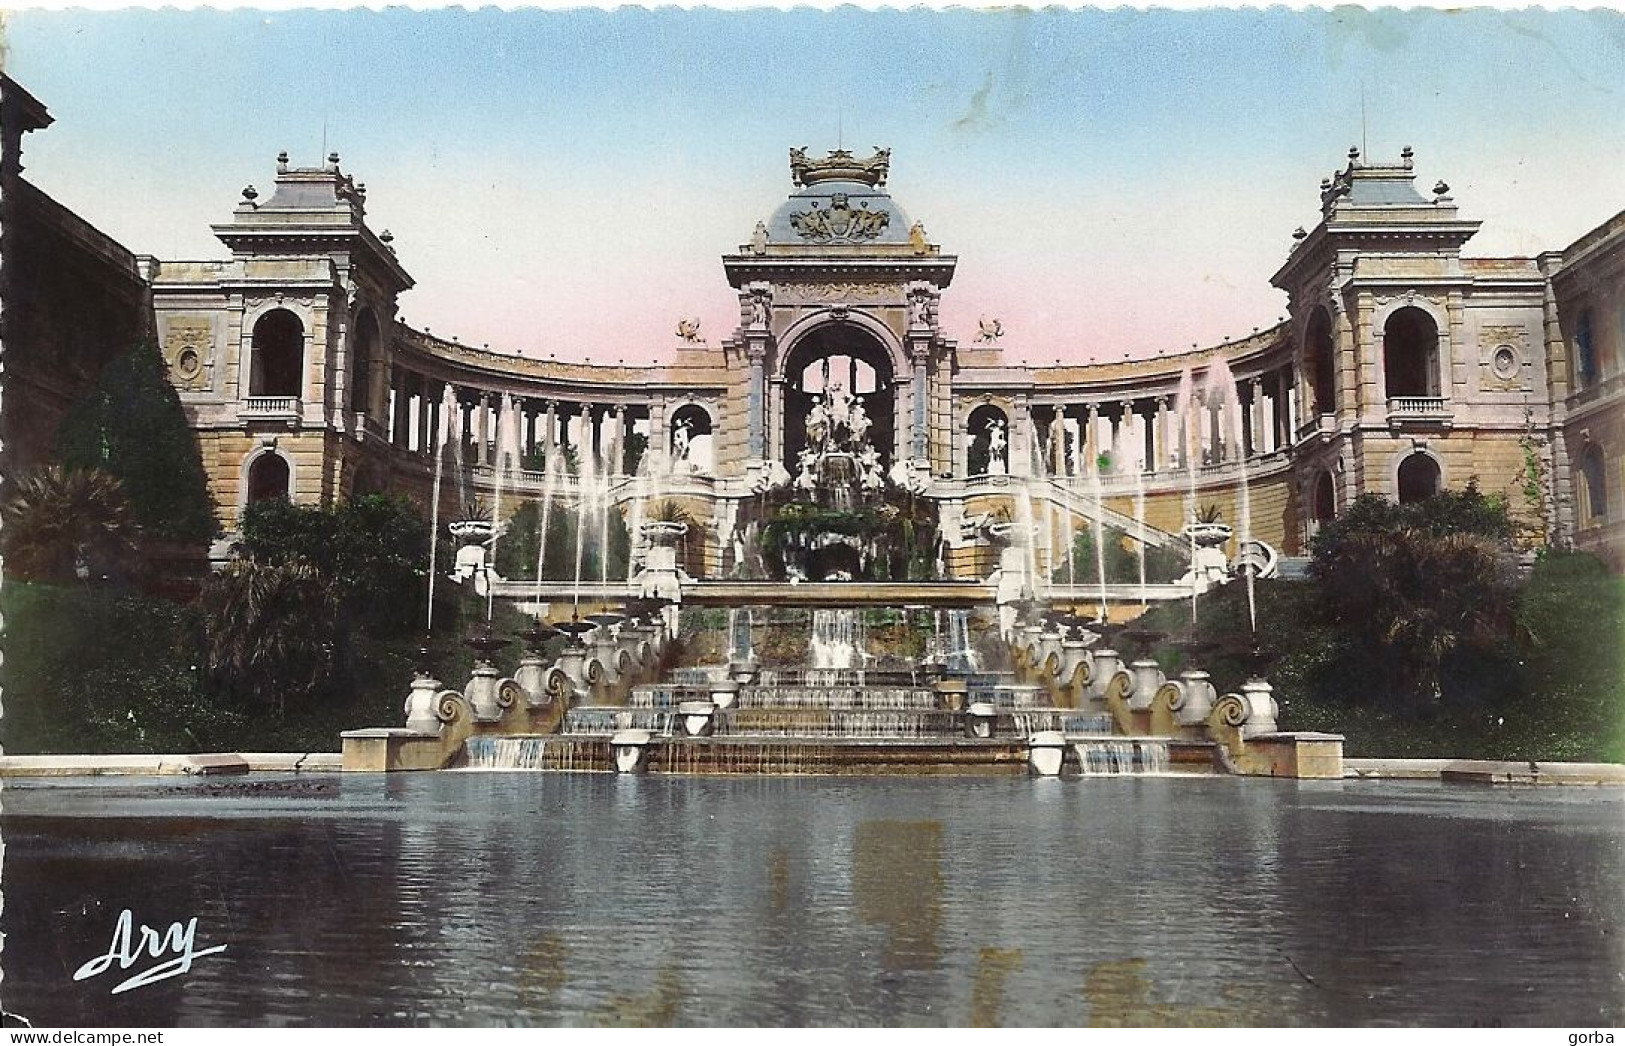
[
  {"x": 987, "y": 991},
  {"x": 542, "y": 974},
  {"x": 591, "y": 899},
  {"x": 778, "y": 880},
  {"x": 657, "y": 1008},
  {"x": 897, "y": 884},
  {"x": 1120, "y": 996}
]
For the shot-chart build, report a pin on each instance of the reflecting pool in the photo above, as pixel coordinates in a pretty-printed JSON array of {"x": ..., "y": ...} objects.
[{"x": 529, "y": 898}]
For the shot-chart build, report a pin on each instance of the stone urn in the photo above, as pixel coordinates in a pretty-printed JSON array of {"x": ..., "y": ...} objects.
[
  {"x": 660, "y": 577},
  {"x": 1208, "y": 535}
]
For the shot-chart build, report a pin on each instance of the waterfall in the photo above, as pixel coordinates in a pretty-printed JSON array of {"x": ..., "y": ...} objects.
[
  {"x": 740, "y": 650},
  {"x": 836, "y": 640},
  {"x": 961, "y": 653},
  {"x": 1108, "y": 757}
]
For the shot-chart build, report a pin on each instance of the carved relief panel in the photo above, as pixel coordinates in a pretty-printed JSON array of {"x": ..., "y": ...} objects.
[
  {"x": 1503, "y": 359},
  {"x": 189, "y": 353}
]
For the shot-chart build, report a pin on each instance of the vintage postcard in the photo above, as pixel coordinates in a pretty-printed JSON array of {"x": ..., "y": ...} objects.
[{"x": 802, "y": 518}]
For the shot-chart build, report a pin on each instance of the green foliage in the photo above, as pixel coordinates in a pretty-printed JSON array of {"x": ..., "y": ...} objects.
[
  {"x": 1548, "y": 688},
  {"x": 59, "y": 523},
  {"x": 1572, "y": 613},
  {"x": 1122, "y": 563},
  {"x": 107, "y": 670},
  {"x": 272, "y": 630},
  {"x": 1466, "y": 511},
  {"x": 130, "y": 424},
  {"x": 637, "y": 445},
  {"x": 1209, "y": 514},
  {"x": 898, "y": 534},
  {"x": 1419, "y": 593},
  {"x": 374, "y": 549},
  {"x": 516, "y": 549}
]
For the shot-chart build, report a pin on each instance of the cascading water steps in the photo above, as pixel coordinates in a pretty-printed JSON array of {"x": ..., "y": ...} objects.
[{"x": 831, "y": 720}]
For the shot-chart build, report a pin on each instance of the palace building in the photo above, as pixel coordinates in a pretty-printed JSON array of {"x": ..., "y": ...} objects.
[{"x": 1404, "y": 366}]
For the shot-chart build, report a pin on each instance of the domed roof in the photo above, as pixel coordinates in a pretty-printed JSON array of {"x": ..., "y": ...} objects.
[{"x": 838, "y": 212}]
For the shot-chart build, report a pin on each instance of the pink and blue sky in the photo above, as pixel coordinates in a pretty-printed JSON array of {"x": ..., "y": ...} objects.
[{"x": 564, "y": 181}]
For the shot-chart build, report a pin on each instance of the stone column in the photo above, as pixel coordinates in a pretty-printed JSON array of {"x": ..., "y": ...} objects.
[
  {"x": 1091, "y": 439},
  {"x": 550, "y": 429},
  {"x": 919, "y": 355},
  {"x": 756, "y": 397},
  {"x": 482, "y": 428},
  {"x": 1255, "y": 418},
  {"x": 617, "y": 460},
  {"x": 397, "y": 425},
  {"x": 438, "y": 391},
  {"x": 1159, "y": 436},
  {"x": 1019, "y": 449}
]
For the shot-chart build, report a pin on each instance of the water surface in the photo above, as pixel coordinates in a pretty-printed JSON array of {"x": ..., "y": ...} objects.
[{"x": 525, "y": 898}]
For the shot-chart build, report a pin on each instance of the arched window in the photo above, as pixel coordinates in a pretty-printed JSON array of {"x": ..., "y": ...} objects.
[
  {"x": 1585, "y": 352},
  {"x": 1410, "y": 353},
  {"x": 1594, "y": 472},
  {"x": 268, "y": 478},
  {"x": 691, "y": 445},
  {"x": 1325, "y": 508},
  {"x": 988, "y": 435},
  {"x": 1418, "y": 478},
  {"x": 1320, "y": 363},
  {"x": 279, "y": 355},
  {"x": 362, "y": 353}
]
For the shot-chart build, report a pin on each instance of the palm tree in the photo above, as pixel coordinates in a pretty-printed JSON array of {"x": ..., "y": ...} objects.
[
  {"x": 271, "y": 629},
  {"x": 61, "y": 524},
  {"x": 1413, "y": 599}
]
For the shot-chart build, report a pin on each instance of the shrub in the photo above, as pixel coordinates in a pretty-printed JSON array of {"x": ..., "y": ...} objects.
[{"x": 130, "y": 424}]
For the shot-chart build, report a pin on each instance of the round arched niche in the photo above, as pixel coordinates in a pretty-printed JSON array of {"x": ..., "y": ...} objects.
[
  {"x": 832, "y": 360},
  {"x": 1418, "y": 477},
  {"x": 269, "y": 478},
  {"x": 690, "y": 440}
]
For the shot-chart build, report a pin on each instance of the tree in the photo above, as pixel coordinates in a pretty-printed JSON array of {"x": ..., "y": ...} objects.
[
  {"x": 130, "y": 424},
  {"x": 1465, "y": 511},
  {"x": 62, "y": 524},
  {"x": 272, "y": 629},
  {"x": 374, "y": 549},
  {"x": 1419, "y": 592}
]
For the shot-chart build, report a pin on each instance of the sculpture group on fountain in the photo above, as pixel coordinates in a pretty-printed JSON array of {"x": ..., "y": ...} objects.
[{"x": 838, "y": 426}]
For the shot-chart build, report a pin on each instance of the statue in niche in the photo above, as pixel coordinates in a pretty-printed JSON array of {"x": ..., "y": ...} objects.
[
  {"x": 758, "y": 309},
  {"x": 869, "y": 474},
  {"x": 818, "y": 425},
  {"x": 858, "y": 423},
  {"x": 919, "y": 310},
  {"x": 997, "y": 446},
  {"x": 805, "y": 480},
  {"x": 840, "y": 409},
  {"x": 680, "y": 435}
]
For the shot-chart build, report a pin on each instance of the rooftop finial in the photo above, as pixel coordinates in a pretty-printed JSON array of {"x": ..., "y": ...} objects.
[
  {"x": 282, "y": 162},
  {"x": 840, "y": 165}
]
